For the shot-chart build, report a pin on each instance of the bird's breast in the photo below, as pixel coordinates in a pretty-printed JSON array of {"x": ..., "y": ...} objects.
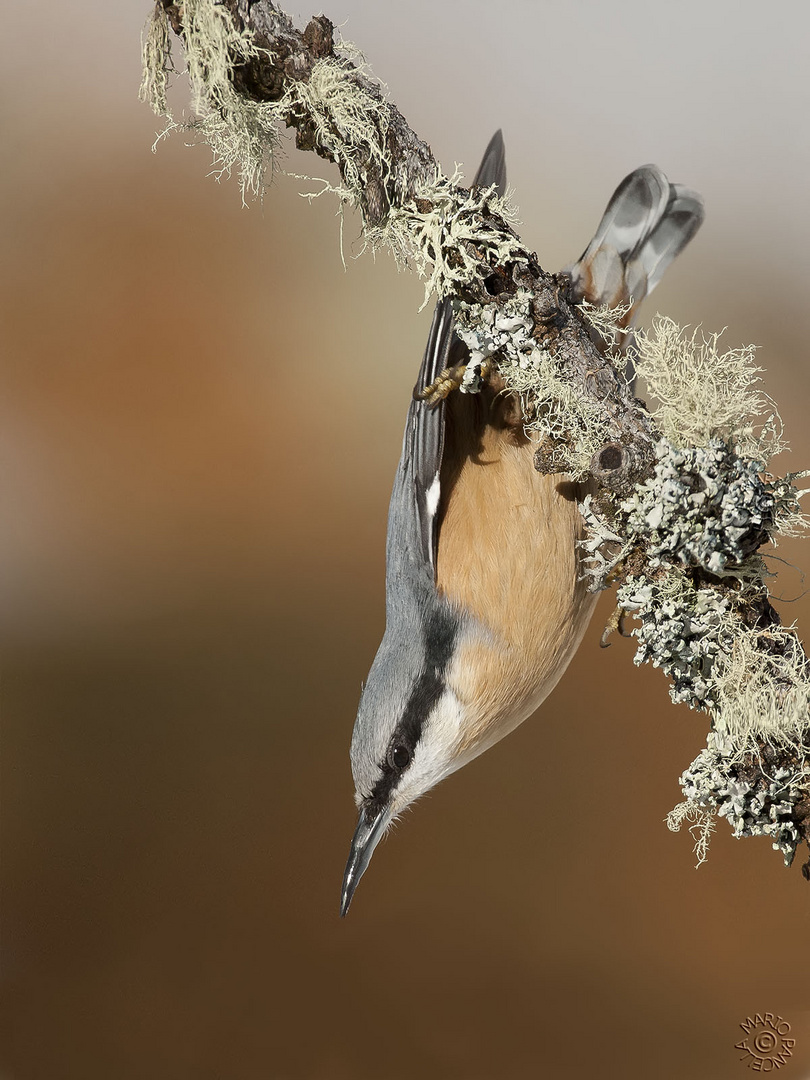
[{"x": 507, "y": 555}]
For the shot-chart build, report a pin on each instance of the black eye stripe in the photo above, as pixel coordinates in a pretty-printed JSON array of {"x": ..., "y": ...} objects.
[{"x": 440, "y": 636}]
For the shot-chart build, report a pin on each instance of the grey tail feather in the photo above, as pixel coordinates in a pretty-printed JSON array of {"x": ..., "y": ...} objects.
[{"x": 633, "y": 211}]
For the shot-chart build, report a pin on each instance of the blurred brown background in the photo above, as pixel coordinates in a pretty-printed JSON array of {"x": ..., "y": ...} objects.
[{"x": 201, "y": 413}]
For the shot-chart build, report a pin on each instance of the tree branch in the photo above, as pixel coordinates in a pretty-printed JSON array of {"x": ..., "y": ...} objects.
[
  {"x": 682, "y": 500},
  {"x": 462, "y": 241}
]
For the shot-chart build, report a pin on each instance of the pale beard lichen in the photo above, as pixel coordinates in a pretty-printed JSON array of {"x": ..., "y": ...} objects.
[
  {"x": 156, "y": 54},
  {"x": 242, "y": 133},
  {"x": 610, "y": 327},
  {"x": 448, "y": 235},
  {"x": 704, "y": 394},
  {"x": 605, "y": 320},
  {"x": 703, "y": 825},
  {"x": 348, "y": 122},
  {"x": 452, "y": 237},
  {"x": 347, "y": 114},
  {"x": 762, "y": 685}
]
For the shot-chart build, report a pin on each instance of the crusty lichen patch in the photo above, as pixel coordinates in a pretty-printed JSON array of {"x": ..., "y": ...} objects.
[
  {"x": 554, "y": 410},
  {"x": 756, "y": 797},
  {"x": 705, "y": 506},
  {"x": 683, "y": 630}
]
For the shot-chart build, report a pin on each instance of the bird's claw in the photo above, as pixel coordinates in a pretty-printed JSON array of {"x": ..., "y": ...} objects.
[
  {"x": 449, "y": 379},
  {"x": 615, "y": 622}
]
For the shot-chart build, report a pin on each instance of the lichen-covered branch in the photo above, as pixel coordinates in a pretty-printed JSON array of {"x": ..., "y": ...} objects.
[
  {"x": 682, "y": 500},
  {"x": 253, "y": 74},
  {"x": 683, "y": 549}
]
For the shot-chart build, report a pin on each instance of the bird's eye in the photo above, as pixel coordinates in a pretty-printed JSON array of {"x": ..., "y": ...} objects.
[{"x": 399, "y": 757}]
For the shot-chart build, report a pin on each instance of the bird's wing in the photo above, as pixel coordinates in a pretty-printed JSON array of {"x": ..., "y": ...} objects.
[
  {"x": 423, "y": 452},
  {"x": 422, "y": 455},
  {"x": 680, "y": 221},
  {"x": 647, "y": 223},
  {"x": 492, "y": 169}
]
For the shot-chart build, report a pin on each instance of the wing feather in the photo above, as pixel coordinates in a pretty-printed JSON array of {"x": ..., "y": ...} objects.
[
  {"x": 422, "y": 454},
  {"x": 647, "y": 223}
]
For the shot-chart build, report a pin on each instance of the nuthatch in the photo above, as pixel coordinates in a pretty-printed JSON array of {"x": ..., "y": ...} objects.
[{"x": 485, "y": 601}]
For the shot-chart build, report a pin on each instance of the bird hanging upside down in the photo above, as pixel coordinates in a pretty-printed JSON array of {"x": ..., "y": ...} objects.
[{"x": 485, "y": 601}]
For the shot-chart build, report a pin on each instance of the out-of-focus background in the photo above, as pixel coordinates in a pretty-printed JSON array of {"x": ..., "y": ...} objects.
[{"x": 201, "y": 414}]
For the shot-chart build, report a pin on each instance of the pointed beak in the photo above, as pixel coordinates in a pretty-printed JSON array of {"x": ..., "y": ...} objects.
[{"x": 367, "y": 835}]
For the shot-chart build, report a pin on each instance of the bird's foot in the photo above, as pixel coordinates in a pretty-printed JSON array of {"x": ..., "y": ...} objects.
[
  {"x": 615, "y": 622},
  {"x": 449, "y": 379}
]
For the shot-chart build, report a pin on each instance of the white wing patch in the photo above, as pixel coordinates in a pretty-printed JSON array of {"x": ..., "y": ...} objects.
[{"x": 432, "y": 496}]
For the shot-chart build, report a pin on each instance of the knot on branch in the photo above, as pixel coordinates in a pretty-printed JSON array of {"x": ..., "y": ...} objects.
[
  {"x": 547, "y": 309},
  {"x": 619, "y": 468}
]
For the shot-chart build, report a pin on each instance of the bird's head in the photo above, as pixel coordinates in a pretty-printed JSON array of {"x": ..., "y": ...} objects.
[{"x": 412, "y": 730}]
